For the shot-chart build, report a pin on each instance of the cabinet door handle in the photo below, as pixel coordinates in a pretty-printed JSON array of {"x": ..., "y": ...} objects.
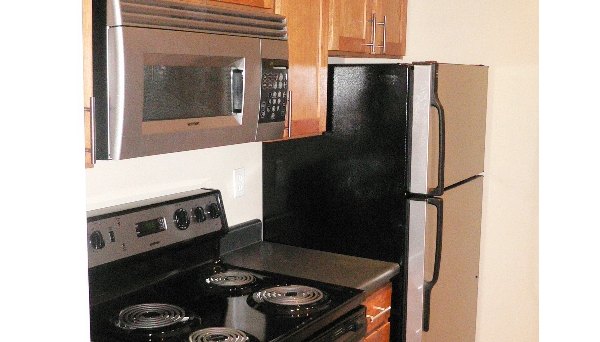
[
  {"x": 373, "y": 22},
  {"x": 382, "y": 311},
  {"x": 384, "y": 24},
  {"x": 92, "y": 110}
]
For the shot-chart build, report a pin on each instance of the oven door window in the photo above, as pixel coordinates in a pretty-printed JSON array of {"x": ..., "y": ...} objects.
[{"x": 205, "y": 91}]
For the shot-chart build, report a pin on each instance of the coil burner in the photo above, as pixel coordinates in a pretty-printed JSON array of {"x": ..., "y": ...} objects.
[
  {"x": 154, "y": 321},
  {"x": 232, "y": 283},
  {"x": 291, "y": 300},
  {"x": 219, "y": 335}
]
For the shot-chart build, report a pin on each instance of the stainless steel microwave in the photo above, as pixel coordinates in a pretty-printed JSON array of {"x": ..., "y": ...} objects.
[{"x": 181, "y": 76}]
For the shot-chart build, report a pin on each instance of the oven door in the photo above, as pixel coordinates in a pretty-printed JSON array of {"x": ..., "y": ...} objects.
[
  {"x": 172, "y": 91},
  {"x": 350, "y": 328}
]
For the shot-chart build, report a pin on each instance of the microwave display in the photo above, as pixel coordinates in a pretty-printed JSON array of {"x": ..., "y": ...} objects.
[{"x": 187, "y": 87}]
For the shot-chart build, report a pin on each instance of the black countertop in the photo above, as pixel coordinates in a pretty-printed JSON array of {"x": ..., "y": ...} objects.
[{"x": 360, "y": 273}]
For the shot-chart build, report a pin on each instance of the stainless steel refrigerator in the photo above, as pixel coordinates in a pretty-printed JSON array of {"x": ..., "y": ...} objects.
[{"x": 396, "y": 177}]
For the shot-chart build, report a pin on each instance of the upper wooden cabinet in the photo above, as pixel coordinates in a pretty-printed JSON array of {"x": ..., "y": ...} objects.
[
  {"x": 307, "y": 38},
  {"x": 367, "y": 28},
  {"x": 261, "y": 5}
]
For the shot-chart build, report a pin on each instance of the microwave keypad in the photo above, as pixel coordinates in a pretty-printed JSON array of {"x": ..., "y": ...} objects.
[{"x": 273, "y": 97}]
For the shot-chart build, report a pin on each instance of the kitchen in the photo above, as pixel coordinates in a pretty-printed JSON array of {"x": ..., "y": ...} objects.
[{"x": 118, "y": 181}]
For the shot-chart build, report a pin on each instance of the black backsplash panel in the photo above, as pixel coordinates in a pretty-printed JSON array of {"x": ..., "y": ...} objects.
[{"x": 344, "y": 191}]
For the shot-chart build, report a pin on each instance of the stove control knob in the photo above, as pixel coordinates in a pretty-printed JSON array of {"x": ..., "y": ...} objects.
[
  {"x": 199, "y": 214},
  {"x": 213, "y": 210},
  {"x": 96, "y": 240},
  {"x": 181, "y": 218}
]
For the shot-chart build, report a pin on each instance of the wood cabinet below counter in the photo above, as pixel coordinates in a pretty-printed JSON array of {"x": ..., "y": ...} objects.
[{"x": 378, "y": 306}]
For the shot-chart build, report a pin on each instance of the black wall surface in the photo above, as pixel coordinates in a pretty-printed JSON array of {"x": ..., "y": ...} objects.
[{"x": 344, "y": 191}]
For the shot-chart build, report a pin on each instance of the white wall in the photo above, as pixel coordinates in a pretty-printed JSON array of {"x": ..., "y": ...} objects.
[
  {"x": 121, "y": 181},
  {"x": 43, "y": 255},
  {"x": 503, "y": 35}
]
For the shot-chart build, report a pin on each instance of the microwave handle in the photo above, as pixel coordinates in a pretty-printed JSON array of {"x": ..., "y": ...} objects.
[{"x": 237, "y": 91}]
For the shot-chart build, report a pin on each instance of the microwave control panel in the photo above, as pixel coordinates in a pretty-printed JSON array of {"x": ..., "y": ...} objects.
[{"x": 274, "y": 91}]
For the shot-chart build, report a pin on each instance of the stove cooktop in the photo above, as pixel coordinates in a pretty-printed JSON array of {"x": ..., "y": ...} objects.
[{"x": 220, "y": 302}]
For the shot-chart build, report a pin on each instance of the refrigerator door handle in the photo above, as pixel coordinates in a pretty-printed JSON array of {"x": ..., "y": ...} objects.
[
  {"x": 435, "y": 103},
  {"x": 423, "y": 97},
  {"x": 428, "y": 285}
]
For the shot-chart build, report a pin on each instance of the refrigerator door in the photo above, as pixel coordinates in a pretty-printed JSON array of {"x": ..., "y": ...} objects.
[
  {"x": 443, "y": 265},
  {"x": 448, "y": 111},
  {"x": 453, "y": 306}
]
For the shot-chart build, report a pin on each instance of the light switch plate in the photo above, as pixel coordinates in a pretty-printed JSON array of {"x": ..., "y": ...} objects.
[{"x": 239, "y": 182}]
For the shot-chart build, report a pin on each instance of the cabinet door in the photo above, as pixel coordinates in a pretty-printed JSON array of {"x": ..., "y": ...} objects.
[
  {"x": 307, "y": 29},
  {"x": 382, "y": 334},
  {"x": 395, "y": 27},
  {"x": 87, "y": 78},
  {"x": 257, "y": 5},
  {"x": 378, "y": 306},
  {"x": 350, "y": 26}
]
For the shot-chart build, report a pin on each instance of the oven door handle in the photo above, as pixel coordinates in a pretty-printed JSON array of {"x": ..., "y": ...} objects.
[{"x": 428, "y": 285}]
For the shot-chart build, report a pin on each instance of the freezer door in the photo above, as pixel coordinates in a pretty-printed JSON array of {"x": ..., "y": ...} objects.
[
  {"x": 447, "y": 120},
  {"x": 453, "y": 307}
]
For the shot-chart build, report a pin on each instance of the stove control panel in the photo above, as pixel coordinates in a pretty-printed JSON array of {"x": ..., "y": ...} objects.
[{"x": 134, "y": 228}]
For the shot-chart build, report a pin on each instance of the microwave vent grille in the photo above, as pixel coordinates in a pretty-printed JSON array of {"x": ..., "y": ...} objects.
[{"x": 184, "y": 16}]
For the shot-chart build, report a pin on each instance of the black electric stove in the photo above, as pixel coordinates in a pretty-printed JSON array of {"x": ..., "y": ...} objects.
[{"x": 162, "y": 280}]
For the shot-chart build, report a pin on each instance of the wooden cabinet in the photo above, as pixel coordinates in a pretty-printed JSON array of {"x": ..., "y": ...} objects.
[
  {"x": 367, "y": 28},
  {"x": 307, "y": 38},
  {"x": 87, "y": 78},
  {"x": 244, "y": 5},
  {"x": 378, "y": 306},
  {"x": 253, "y": 3}
]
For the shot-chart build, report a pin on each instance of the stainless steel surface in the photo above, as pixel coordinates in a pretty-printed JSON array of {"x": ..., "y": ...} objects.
[
  {"x": 384, "y": 25},
  {"x": 454, "y": 297},
  {"x": 382, "y": 311},
  {"x": 420, "y": 130},
  {"x": 162, "y": 33},
  {"x": 195, "y": 17},
  {"x": 118, "y": 227},
  {"x": 462, "y": 90},
  {"x": 359, "y": 273},
  {"x": 132, "y": 137},
  {"x": 92, "y": 111},
  {"x": 373, "y": 22},
  {"x": 272, "y": 49},
  {"x": 416, "y": 271},
  {"x": 116, "y": 90}
]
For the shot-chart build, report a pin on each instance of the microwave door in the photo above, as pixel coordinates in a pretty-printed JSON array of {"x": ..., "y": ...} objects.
[{"x": 173, "y": 91}]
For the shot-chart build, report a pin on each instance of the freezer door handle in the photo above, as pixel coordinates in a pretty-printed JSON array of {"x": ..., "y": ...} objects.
[
  {"x": 428, "y": 285},
  {"x": 435, "y": 103},
  {"x": 424, "y": 98}
]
